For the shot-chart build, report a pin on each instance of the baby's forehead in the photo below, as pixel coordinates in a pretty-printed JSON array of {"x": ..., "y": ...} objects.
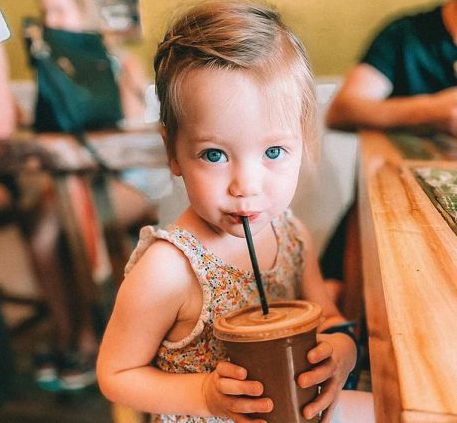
[{"x": 219, "y": 90}]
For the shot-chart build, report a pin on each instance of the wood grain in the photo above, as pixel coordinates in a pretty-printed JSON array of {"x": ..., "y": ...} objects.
[{"x": 410, "y": 276}]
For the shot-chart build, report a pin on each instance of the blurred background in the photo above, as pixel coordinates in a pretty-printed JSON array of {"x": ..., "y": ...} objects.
[
  {"x": 335, "y": 34},
  {"x": 333, "y": 31}
]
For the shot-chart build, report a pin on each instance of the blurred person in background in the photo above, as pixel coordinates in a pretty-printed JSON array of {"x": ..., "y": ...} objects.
[
  {"x": 405, "y": 79},
  {"x": 39, "y": 224},
  {"x": 84, "y": 15},
  {"x": 68, "y": 361},
  {"x": 8, "y": 121},
  {"x": 9, "y": 115},
  {"x": 7, "y": 126}
]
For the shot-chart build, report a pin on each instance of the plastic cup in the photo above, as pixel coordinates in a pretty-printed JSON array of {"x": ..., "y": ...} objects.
[{"x": 273, "y": 349}]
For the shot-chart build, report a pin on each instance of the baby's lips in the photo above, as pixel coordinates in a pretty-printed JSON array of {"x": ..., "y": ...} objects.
[{"x": 250, "y": 215}]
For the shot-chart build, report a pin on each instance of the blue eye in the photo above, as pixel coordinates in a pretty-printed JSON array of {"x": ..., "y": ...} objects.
[
  {"x": 213, "y": 155},
  {"x": 274, "y": 152}
]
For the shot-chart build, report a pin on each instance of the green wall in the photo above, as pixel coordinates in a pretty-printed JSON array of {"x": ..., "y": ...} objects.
[{"x": 333, "y": 31}]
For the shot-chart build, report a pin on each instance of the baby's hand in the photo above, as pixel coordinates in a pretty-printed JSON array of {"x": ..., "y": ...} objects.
[
  {"x": 227, "y": 393},
  {"x": 334, "y": 357}
]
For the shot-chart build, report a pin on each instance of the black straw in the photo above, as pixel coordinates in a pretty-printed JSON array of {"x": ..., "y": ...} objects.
[{"x": 255, "y": 266}]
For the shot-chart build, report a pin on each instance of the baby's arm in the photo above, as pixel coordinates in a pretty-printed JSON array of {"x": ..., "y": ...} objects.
[
  {"x": 155, "y": 302},
  {"x": 335, "y": 355}
]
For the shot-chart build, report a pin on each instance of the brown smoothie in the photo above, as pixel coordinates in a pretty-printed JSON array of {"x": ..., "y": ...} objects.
[{"x": 273, "y": 349}]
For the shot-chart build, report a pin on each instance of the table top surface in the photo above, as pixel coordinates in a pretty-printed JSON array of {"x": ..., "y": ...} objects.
[
  {"x": 416, "y": 253},
  {"x": 64, "y": 153}
]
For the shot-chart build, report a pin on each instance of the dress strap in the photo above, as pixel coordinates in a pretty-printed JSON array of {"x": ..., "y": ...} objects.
[
  {"x": 194, "y": 252},
  {"x": 291, "y": 231}
]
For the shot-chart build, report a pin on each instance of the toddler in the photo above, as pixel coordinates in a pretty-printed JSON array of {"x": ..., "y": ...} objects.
[{"x": 237, "y": 109}]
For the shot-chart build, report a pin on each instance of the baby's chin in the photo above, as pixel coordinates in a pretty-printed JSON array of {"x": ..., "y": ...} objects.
[
  {"x": 235, "y": 230},
  {"x": 255, "y": 228},
  {"x": 232, "y": 224}
]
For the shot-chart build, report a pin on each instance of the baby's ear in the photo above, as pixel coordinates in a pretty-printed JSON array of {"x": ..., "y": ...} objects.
[
  {"x": 172, "y": 162},
  {"x": 174, "y": 166}
]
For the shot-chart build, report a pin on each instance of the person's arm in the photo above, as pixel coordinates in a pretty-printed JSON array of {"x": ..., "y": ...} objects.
[
  {"x": 133, "y": 82},
  {"x": 362, "y": 103},
  {"x": 157, "y": 296},
  {"x": 147, "y": 305},
  {"x": 313, "y": 285},
  {"x": 335, "y": 355},
  {"x": 8, "y": 115}
]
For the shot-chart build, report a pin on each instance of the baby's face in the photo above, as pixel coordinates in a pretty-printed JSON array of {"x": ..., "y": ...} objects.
[{"x": 236, "y": 154}]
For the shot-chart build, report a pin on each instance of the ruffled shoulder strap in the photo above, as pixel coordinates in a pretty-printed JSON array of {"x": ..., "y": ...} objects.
[
  {"x": 293, "y": 237},
  {"x": 147, "y": 238},
  {"x": 194, "y": 252}
]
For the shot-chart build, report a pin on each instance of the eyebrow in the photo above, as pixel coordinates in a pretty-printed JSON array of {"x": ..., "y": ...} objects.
[
  {"x": 217, "y": 140},
  {"x": 203, "y": 139}
]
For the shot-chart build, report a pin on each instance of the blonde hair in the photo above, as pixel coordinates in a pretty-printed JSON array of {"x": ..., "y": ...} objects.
[{"x": 236, "y": 35}]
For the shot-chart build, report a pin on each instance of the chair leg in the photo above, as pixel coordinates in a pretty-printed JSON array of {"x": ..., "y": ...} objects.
[
  {"x": 7, "y": 368},
  {"x": 39, "y": 311}
]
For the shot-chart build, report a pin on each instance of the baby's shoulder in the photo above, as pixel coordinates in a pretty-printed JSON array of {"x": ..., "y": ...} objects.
[
  {"x": 166, "y": 259},
  {"x": 158, "y": 264},
  {"x": 160, "y": 278}
]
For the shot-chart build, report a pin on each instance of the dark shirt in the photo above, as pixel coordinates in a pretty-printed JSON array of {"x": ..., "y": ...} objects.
[{"x": 416, "y": 53}]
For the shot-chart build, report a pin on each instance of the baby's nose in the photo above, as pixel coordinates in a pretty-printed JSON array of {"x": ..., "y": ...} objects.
[{"x": 246, "y": 181}]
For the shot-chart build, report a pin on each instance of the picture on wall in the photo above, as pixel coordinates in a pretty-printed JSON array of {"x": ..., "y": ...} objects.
[{"x": 120, "y": 15}]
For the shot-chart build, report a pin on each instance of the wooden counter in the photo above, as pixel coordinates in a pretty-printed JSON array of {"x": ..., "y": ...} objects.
[{"x": 410, "y": 285}]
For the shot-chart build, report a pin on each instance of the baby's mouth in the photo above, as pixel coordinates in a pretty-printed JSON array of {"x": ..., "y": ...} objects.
[{"x": 252, "y": 216}]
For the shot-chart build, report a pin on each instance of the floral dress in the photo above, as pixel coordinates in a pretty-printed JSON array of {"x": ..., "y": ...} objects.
[{"x": 225, "y": 288}]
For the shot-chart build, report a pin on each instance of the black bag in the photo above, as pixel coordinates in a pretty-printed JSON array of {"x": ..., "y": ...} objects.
[{"x": 77, "y": 89}]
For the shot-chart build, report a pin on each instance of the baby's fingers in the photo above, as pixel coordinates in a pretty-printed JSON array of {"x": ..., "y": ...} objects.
[
  {"x": 229, "y": 386},
  {"x": 239, "y": 405},
  {"x": 321, "y": 352},
  {"x": 327, "y": 415},
  {"x": 230, "y": 370},
  {"x": 317, "y": 375},
  {"x": 323, "y": 401}
]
